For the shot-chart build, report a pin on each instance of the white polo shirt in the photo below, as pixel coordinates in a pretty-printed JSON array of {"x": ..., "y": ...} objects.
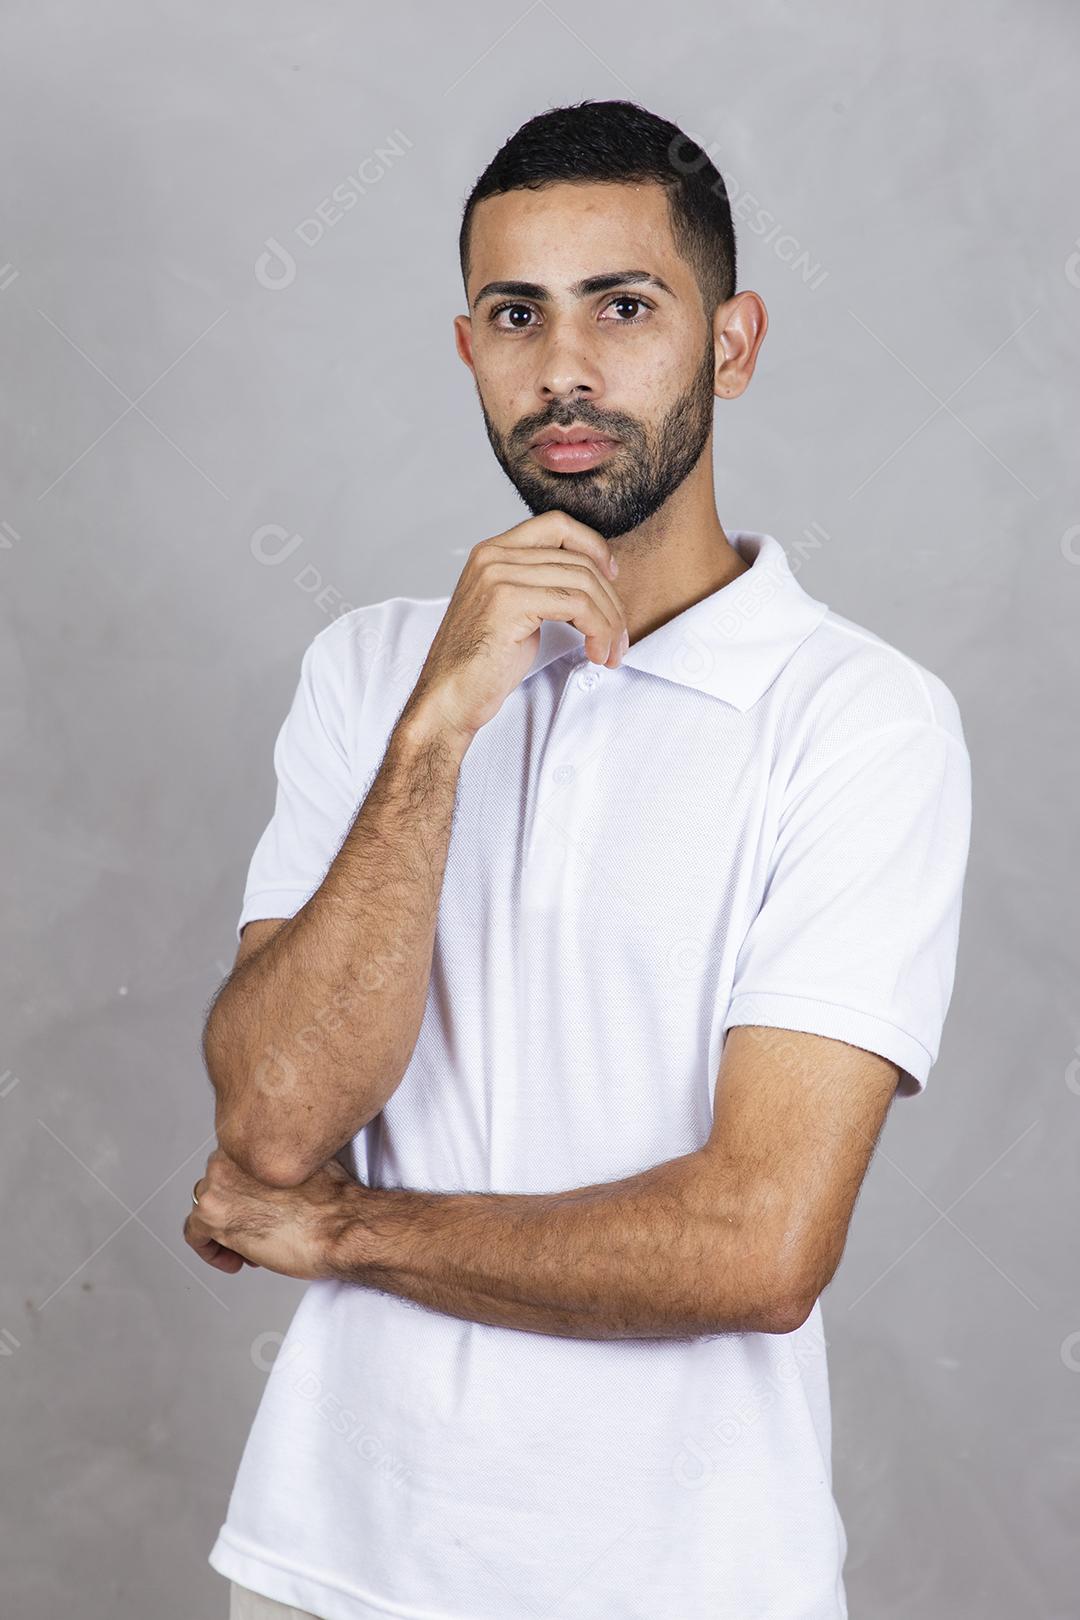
[{"x": 761, "y": 817}]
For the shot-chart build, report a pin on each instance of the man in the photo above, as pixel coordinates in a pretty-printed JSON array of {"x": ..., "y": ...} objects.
[{"x": 605, "y": 906}]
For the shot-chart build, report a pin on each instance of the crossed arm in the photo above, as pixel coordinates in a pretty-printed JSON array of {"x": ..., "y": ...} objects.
[
  {"x": 741, "y": 1236},
  {"x": 313, "y": 1030}
]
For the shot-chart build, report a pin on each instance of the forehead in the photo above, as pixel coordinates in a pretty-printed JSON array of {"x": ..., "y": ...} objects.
[{"x": 563, "y": 232}]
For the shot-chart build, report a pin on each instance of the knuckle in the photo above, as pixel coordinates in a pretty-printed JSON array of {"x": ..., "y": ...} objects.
[{"x": 209, "y": 1203}]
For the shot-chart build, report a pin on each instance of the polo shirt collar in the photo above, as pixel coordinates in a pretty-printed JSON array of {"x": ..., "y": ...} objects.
[{"x": 731, "y": 644}]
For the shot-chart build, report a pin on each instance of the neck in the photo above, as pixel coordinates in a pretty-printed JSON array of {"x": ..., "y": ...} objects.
[{"x": 678, "y": 556}]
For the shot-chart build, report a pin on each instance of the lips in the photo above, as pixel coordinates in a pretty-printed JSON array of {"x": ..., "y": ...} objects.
[
  {"x": 571, "y": 449},
  {"x": 573, "y": 455},
  {"x": 578, "y": 434}
]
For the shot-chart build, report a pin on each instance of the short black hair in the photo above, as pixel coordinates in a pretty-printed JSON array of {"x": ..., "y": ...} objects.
[{"x": 618, "y": 141}]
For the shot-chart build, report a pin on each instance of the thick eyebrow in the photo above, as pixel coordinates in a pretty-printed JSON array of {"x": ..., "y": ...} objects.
[{"x": 580, "y": 289}]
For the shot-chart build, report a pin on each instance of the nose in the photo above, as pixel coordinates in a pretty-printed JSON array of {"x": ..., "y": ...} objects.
[{"x": 566, "y": 369}]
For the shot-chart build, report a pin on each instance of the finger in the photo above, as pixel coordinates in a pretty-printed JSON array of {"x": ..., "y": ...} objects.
[
  {"x": 559, "y": 529},
  {"x": 217, "y": 1255},
  {"x": 579, "y": 605},
  {"x": 197, "y": 1233},
  {"x": 563, "y": 558},
  {"x": 600, "y": 617},
  {"x": 226, "y": 1259}
]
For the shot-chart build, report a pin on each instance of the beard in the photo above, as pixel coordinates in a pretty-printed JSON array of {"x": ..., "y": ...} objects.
[{"x": 635, "y": 480}]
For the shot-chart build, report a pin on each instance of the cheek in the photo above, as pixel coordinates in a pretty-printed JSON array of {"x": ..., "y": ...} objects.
[
  {"x": 645, "y": 364},
  {"x": 664, "y": 359},
  {"x": 505, "y": 377},
  {"x": 495, "y": 370}
]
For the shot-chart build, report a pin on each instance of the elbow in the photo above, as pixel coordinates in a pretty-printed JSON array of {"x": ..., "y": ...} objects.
[
  {"x": 260, "y": 1141},
  {"x": 788, "y": 1299},
  {"x": 772, "y": 1303},
  {"x": 261, "y": 1159},
  {"x": 277, "y": 1172},
  {"x": 765, "y": 1312},
  {"x": 785, "y": 1313}
]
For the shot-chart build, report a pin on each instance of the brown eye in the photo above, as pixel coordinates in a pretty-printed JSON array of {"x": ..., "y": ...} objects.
[
  {"x": 522, "y": 309},
  {"x": 629, "y": 298}
]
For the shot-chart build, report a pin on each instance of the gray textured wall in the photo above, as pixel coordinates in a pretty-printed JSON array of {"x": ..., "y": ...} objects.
[{"x": 179, "y": 407}]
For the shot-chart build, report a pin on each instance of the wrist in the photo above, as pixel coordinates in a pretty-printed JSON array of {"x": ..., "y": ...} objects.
[
  {"x": 348, "y": 1250},
  {"x": 421, "y": 727}
]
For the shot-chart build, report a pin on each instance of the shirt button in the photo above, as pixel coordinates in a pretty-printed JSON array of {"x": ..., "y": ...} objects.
[
  {"x": 563, "y": 773},
  {"x": 588, "y": 679}
]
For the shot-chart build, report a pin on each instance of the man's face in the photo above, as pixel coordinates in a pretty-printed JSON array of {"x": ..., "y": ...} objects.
[{"x": 635, "y": 361}]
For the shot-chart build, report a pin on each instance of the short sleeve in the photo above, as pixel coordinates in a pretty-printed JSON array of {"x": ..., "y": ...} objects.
[
  {"x": 315, "y": 801},
  {"x": 856, "y": 935}
]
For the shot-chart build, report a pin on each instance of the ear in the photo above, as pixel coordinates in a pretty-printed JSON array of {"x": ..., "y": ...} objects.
[
  {"x": 739, "y": 328},
  {"x": 463, "y": 340}
]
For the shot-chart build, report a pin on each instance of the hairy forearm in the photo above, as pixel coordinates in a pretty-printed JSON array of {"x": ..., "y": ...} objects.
[
  {"x": 663, "y": 1254},
  {"x": 312, "y": 1033}
]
